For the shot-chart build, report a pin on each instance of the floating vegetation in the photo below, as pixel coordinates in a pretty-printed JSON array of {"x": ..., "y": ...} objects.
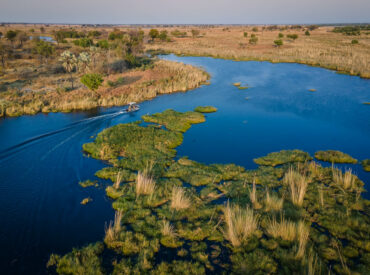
[
  {"x": 366, "y": 165},
  {"x": 282, "y": 157},
  {"x": 205, "y": 109},
  {"x": 312, "y": 90},
  {"x": 88, "y": 183},
  {"x": 86, "y": 201},
  {"x": 243, "y": 87},
  {"x": 334, "y": 157},
  {"x": 289, "y": 216},
  {"x": 366, "y": 103},
  {"x": 237, "y": 84},
  {"x": 175, "y": 121}
]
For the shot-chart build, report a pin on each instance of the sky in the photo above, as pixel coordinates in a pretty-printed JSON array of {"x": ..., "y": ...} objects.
[{"x": 185, "y": 11}]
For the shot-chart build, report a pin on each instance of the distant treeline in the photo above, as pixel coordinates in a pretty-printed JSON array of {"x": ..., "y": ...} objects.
[{"x": 352, "y": 30}]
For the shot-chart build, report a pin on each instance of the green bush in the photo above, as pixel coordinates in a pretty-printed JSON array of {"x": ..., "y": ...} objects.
[
  {"x": 354, "y": 41},
  {"x": 92, "y": 81},
  {"x": 281, "y": 35},
  {"x": 83, "y": 42},
  {"x": 278, "y": 42},
  {"x": 307, "y": 33},
  {"x": 292, "y": 36}
]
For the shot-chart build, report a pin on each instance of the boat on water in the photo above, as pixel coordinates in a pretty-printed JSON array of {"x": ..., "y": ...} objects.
[{"x": 132, "y": 107}]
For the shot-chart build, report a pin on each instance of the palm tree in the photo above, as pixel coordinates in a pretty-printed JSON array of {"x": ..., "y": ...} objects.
[{"x": 69, "y": 63}]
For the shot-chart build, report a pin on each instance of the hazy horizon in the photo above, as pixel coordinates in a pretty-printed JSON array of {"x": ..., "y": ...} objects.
[{"x": 126, "y": 12}]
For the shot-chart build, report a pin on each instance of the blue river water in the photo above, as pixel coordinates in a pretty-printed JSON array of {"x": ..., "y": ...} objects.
[{"x": 41, "y": 158}]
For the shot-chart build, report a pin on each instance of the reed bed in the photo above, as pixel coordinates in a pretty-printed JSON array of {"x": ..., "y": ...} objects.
[
  {"x": 114, "y": 227},
  {"x": 241, "y": 223},
  {"x": 297, "y": 184},
  {"x": 273, "y": 202},
  {"x": 346, "y": 180},
  {"x": 179, "y": 199}
]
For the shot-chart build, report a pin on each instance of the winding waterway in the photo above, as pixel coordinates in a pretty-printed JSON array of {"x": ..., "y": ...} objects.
[{"x": 41, "y": 161}]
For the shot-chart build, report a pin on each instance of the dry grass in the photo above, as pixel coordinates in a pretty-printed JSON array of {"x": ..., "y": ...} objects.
[
  {"x": 118, "y": 180},
  {"x": 273, "y": 202},
  {"x": 287, "y": 230},
  {"x": 322, "y": 48},
  {"x": 241, "y": 223},
  {"x": 145, "y": 184},
  {"x": 114, "y": 227},
  {"x": 167, "y": 229},
  {"x": 303, "y": 232},
  {"x": 253, "y": 196},
  {"x": 179, "y": 200},
  {"x": 346, "y": 180},
  {"x": 297, "y": 184}
]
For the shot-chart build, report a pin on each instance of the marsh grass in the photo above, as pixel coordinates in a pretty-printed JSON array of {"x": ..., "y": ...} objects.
[
  {"x": 297, "y": 184},
  {"x": 145, "y": 183},
  {"x": 346, "y": 180},
  {"x": 167, "y": 229},
  {"x": 118, "y": 180},
  {"x": 303, "y": 232},
  {"x": 113, "y": 228},
  {"x": 179, "y": 199},
  {"x": 285, "y": 229},
  {"x": 241, "y": 223},
  {"x": 253, "y": 196},
  {"x": 273, "y": 202}
]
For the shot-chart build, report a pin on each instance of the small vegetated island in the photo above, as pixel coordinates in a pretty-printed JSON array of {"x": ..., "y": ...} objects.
[{"x": 178, "y": 216}]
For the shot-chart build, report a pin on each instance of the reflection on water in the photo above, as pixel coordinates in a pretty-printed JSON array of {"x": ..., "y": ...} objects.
[{"x": 41, "y": 161}]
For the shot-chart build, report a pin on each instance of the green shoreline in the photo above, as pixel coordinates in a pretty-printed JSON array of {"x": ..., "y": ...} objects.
[{"x": 178, "y": 208}]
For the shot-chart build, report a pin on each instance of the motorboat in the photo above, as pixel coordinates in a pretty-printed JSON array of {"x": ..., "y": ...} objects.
[{"x": 132, "y": 107}]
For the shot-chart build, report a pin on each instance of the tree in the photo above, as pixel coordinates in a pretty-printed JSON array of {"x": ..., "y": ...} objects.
[
  {"x": 83, "y": 61},
  {"x": 22, "y": 37},
  {"x": 153, "y": 33},
  {"x": 10, "y": 35},
  {"x": 43, "y": 49},
  {"x": 255, "y": 29},
  {"x": 69, "y": 63},
  {"x": 281, "y": 35},
  {"x": 307, "y": 33},
  {"x": 195, "y": 33},
  {"x": 92, "y": 81},
  {"x": 5, "y": 51},
  {"x": 278, "y": 42},
  {"x": 292, "y": 36},
  {"x": 59, "y": 36},
  {"x": 253, "y": 40},
  {"x": 163, "y": 35}
]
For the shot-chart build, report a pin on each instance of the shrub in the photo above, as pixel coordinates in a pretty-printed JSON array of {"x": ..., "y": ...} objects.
[
  {"x": 118, "y": 66},
  {"x": 92, "y": 81},
  {"x": 253, "y": 40},
  {"x": 255, "y": 29},
  {"x": 245, "y": 34},
  {"x": 163, "y": 35},
  {"x": 83, "y": 42},
  {"x": 281, "y": 35},
  {"x": 153, "y": 33},
  {"x": 195, "y": 33},
  {"x": 103, "y": 44},
  {"x": 307, "y": 33},
  {"x": 292, "y": 36},
  {"x": 354, "y": 41},
  {"x": 278, "y": 42}
]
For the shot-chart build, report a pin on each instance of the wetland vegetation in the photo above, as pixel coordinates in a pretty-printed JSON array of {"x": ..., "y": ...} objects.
[{"x": 177, "y": 216}]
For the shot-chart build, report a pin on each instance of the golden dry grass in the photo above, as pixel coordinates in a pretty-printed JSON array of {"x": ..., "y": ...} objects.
[
  {"x": 118, "y": 180},
  {"x": 145, "y": 183},
  {"x": 114, "y": 227},
  {"x": 322, "y": 48},
  {"x": 297, "y": 184},
  {"x": 273, "y": 202},
  {"x": 167, "y": 229},
  {"x": 179, "y": 199},
  {"x": 285, "y": 229},
  {"x": 241, "y": 223},
  {"x": 346, "y": 180}
]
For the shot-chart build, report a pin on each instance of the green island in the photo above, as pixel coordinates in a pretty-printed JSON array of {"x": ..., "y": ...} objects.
[
  {"x": 334, "y": 157},
  {"x": 366, "y": 165},
  {"x": 174, "y": 215}
]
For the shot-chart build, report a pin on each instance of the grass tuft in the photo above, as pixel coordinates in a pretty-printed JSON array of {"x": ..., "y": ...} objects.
[{"x": 179, "y": 199}]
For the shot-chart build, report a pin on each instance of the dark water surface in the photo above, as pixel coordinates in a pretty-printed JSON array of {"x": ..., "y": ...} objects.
[{"x": 41, "y": 161}]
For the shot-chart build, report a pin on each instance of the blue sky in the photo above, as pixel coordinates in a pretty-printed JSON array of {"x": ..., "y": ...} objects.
[{"x": 185, "y": 11}]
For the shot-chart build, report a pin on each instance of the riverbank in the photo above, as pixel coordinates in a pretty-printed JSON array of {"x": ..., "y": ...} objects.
[
  {"x": 163, "y": 77},
  {"x": 322, "y": 48}
]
